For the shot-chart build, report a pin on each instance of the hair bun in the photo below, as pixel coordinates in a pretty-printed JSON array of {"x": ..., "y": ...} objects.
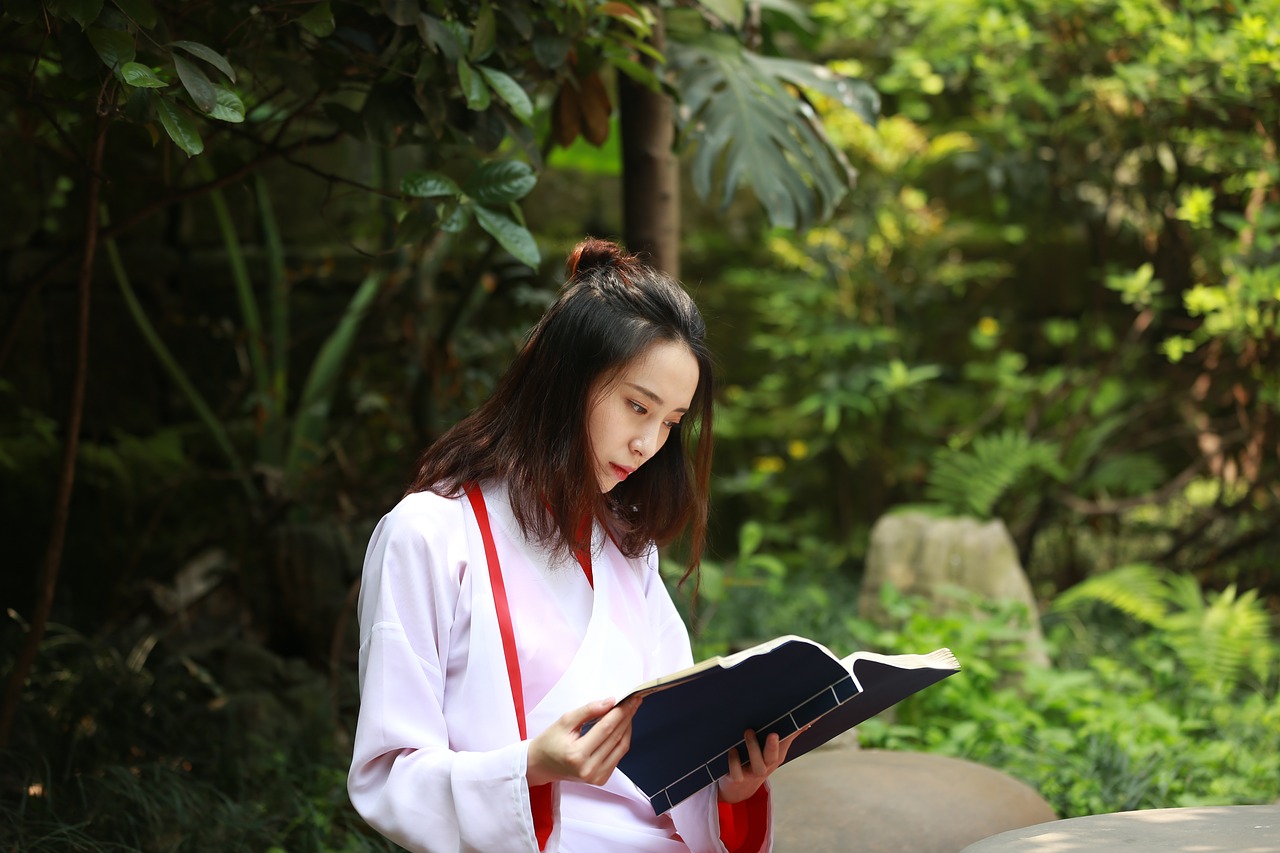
[{"x": 591, "y": 254}]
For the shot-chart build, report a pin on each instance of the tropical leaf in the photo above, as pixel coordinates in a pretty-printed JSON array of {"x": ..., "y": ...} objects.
[{"x": 747, "y": 126}]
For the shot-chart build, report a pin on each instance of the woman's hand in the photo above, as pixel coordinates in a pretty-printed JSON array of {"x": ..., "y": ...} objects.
[
  {"x": 740, "y": 783},
  {"x": 562, "y": 752}
]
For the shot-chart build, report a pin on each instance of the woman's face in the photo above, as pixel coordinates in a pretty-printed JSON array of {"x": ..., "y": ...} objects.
[{"x": 632, "y": 417}]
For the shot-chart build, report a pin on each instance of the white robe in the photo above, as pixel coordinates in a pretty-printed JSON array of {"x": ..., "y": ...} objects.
[{"x": 438, "y": 763}]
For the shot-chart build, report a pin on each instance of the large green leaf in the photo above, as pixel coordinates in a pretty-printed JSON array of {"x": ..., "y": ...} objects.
[
  {"x": 748, "y": 127},
  {"x": 856, "y": 95},
  {"x": 229, "y": 107},
  {"x": 318, "y": 20},
  {"x": 500, "y": 182},
  {"x": 208, "y": 54},
  {"x": 729, "y": 11},
  {"x": 428, "y": 185},
  {"x": 473, "y": 86},
  {"x": 510, "y": 91},
  {"x": 83, "y": 12},
  {"x": 114, "y": 46},
  {"x": 140, "y": 76},
  {"x": 198, "y": 86},
  {"x": 179, "y": 126},
  {"x": 485, "y": 33},
  {"x": 511, "y": 235}
]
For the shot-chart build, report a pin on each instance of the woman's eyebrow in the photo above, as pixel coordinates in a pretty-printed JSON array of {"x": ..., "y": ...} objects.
[{"x": 652, "y": 396}]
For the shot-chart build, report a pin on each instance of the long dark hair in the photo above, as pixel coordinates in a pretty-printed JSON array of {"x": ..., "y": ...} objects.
[{"x": 532, "y": 432}]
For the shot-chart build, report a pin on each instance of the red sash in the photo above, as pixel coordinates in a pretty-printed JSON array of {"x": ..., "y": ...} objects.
[{"x": 540, "y": 799}]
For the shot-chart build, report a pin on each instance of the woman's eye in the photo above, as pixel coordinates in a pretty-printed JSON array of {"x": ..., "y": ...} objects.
[
  {"x": 671, "y": 424},
  {"x": 639, "y": 409}
]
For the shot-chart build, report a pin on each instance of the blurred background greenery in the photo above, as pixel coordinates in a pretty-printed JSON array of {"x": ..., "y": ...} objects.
[{"x": 1008, "y": 259}]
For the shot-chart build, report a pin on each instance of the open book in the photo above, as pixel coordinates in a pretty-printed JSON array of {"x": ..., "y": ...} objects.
[{"x": 689, "y": 720}]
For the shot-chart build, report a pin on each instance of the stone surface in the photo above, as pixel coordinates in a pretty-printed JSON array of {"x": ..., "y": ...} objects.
[
  {"x": 1214, "y": 829},
  {"x": 923, "y": 555},
  {"x": 878, "y": 801}
]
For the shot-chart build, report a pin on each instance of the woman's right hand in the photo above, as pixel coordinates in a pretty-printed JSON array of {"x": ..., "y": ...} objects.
[{"x": 563, "y": 753}]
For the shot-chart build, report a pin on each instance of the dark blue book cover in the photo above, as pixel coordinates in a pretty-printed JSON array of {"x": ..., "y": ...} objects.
[{"x": 688, "y": 721}]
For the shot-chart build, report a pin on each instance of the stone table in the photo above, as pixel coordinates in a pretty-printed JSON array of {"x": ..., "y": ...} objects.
[{"x": 1213, "y": 829}]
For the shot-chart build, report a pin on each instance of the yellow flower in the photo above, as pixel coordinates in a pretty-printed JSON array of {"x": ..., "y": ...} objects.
[
  {"x": 989, "y": 326},
  {"x": 769, "y": 464},
  {"x": 797, "y": 449}
]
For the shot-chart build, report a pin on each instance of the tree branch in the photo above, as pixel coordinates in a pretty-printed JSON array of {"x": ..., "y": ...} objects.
[{"x": 47, "y": 584}]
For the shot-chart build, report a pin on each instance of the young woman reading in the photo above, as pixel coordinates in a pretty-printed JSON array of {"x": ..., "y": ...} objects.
[{"x": 514, "y": 591}]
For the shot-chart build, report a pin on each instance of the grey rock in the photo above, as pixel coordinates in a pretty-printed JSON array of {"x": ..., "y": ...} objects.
[
  {"x": 923, "y": 555},
  {"x": 880, "y": 801}
]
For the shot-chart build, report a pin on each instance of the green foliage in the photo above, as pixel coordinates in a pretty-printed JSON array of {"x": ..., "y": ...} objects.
[
  {"x": 743, "y": 121},
  {"x": 1119, "y": 722},
  {"x": 1056, "y": 201},
  {"x": 169, "y": 746},
  {"x": 972, "y": 480},
  {"x": 1217, "y": 638}
]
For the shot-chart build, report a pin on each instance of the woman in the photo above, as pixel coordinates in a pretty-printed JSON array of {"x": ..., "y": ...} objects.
[{"x": 515, "y": 587}]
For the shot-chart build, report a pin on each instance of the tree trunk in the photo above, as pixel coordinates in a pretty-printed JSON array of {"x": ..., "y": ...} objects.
[
  {"x": 650, "y": 177},
  {"x": 48, "y": 581}
]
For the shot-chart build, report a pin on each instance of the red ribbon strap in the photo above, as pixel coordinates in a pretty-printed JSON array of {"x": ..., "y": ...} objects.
[{"x": 500, "y": 604}]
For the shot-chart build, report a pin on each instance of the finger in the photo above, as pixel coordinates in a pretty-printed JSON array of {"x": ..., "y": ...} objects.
[
  {"x": 609, "y": 729},
  {"x": 784, "y": 747},
  {"x": 574, "y": 720},
  {"x": 754, "y": 756},
  {"x": 609, "y": 752},
  {"x": 607, "y": 761},
  {"x": 771, "y": 746},
  {"x": 735, "y": 764}
]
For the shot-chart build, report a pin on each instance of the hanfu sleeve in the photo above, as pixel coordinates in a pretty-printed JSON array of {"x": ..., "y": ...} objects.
[
  {"x": 405, "y": 780},
  {"x": 705, "y": 824}
]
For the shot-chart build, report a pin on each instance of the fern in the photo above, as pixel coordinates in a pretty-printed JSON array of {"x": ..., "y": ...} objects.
[
  {"x": 971, "y": 481},
  {"x": 1130, "y": 474},
  {"x": 1139, "y": 591},
  {"x": 1217, "y": 638},
  {"x": 1222, "y": 638}
]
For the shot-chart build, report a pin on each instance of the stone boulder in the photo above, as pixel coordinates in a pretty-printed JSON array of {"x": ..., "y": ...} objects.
[
  {"x": 841, "y": 799},
  {"x": 924, "y": 555}
]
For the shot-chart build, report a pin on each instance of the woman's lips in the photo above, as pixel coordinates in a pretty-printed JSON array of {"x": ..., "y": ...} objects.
[{"x": 620, "y": 472}]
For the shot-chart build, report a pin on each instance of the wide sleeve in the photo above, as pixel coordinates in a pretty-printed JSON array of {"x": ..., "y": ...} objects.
[
  {"x": 405, "y": 780},
  {"x": 749, "y": 825}
]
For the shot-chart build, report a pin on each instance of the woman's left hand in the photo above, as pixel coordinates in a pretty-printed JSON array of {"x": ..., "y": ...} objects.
[{"x": 741, "y": 782}]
